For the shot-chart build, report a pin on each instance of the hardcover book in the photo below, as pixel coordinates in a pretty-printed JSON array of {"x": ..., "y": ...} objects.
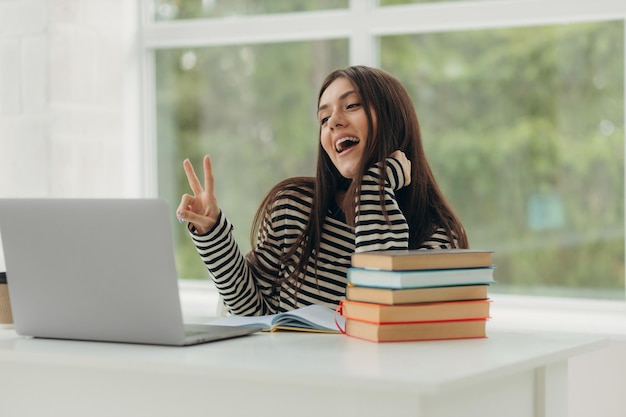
[
  {"x": 406, "y": 332},
  {"x": 411, "y": 259},
  {"x": 416, "y": 295},
  {"x": 419, "y": 278},
  {"x": 414, "y": 313}
]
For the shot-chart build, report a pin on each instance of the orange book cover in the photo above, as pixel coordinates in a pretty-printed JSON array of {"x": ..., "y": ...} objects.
[
  {"x": 411, "y": 332},
  {"x": 415, "y": 313}
]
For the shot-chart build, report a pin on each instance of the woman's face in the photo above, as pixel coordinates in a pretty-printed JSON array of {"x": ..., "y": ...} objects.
[{"x": 343, "y": 126}]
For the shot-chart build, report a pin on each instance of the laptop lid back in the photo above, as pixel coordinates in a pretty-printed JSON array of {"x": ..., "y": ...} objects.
[{"x": 92, "y": 269}]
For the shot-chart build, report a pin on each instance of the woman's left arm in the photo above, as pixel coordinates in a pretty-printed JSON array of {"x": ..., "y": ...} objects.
[{"x": 372, "y": 230}]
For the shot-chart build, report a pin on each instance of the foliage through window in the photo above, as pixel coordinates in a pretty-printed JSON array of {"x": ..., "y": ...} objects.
[{"x": 524, "y": 129}]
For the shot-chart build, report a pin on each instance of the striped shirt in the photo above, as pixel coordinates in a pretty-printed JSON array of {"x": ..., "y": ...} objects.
[{"x": 247, "y": 290}]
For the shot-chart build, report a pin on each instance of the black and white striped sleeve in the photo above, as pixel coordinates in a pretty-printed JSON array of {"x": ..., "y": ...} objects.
[
  {"x": 236, "y": 281},
  {"x": 372, "y": 230},
  {"x": 439, "y": 240}
]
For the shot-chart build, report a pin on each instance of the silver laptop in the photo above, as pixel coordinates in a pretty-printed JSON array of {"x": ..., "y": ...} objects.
[{"x": 97, "y": 269}]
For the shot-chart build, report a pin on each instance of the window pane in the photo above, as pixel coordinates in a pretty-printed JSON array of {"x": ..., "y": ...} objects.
[
  {"x": 525, "y": 131},
  {"x": 194, "y": 9},
  {"x": 252, "y": 108}
]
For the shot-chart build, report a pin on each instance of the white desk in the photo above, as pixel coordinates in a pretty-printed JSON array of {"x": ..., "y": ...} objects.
[{"x": 291, "y": 374}]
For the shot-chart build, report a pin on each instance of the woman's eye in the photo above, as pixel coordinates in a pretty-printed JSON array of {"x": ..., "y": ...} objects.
[
  {"x": 323, "y": 120},
  {"x": 353, "y": 105}
]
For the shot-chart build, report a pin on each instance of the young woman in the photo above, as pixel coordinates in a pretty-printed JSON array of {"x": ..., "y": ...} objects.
[{"x": 373, "y": 190}]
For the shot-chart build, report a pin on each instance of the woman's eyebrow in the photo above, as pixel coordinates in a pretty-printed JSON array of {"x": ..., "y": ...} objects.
[{"x": 341, "y": 97}]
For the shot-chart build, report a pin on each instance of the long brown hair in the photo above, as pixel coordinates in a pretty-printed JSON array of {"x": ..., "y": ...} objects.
[{"x": 397, "y": 128}]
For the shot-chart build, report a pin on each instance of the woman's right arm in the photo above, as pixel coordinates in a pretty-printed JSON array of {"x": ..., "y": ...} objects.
[{"x": 245, "y": 290}]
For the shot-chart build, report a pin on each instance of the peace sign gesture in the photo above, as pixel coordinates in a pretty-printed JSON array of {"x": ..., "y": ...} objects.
[{"x": 200, "y": 209}]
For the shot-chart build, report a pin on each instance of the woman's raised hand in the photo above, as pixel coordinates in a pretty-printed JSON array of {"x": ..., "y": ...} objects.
[
  {"x": 406, "y": 165},
  {"x": 200, "y": 209}
]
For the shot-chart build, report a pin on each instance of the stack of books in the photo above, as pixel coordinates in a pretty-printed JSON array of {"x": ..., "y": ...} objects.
[{"x": 418, "y": 295}]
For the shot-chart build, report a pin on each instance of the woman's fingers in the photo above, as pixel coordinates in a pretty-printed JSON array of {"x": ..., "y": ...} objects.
[
  {"x": 199, "y": 209},
  {"x": 208, "y": 174},
  {"x": 200, "y": 222},
  {"x": 186, "y": 201},
  {"x": 192, "y": 178},
  {"x": 186, "y": 204}
]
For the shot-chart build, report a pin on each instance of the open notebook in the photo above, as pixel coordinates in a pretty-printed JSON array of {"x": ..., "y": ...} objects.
[{"x": 313, "y": 318}]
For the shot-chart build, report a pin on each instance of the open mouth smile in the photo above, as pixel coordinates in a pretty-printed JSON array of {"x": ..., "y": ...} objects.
[{"x": 346, "y": 143}]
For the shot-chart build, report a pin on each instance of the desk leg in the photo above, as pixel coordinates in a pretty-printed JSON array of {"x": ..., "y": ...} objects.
[{"x": 551, "y": 398}]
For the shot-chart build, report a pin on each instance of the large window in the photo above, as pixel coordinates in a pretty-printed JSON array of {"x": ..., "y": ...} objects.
[{"x": 522, "y": 114}]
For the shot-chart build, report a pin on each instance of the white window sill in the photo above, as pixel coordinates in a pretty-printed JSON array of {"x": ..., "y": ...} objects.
[
  {"x": 532, "y": 313},
  {"x": 508, "y": 312},
  {"x": 198, "y": 299}
]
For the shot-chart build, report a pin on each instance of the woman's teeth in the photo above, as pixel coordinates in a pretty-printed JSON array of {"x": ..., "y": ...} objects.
[{"x": 345, "y": 143}]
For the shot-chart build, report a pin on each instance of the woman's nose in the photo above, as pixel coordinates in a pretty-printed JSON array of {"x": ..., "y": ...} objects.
[{"x": 336, "y": 120}]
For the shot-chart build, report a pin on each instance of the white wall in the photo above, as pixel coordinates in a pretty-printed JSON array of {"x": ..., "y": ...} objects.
[{"x": 69, "y": 102}]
